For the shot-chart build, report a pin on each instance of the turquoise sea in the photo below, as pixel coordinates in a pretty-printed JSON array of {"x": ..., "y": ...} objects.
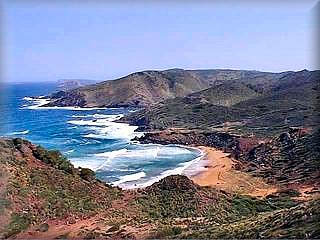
[{"x": 90, "y": 137}]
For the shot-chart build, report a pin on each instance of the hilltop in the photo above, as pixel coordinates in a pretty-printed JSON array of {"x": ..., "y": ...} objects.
[
  {"x": 141, "y": 89},
  {"x": 240, "y": 108}
]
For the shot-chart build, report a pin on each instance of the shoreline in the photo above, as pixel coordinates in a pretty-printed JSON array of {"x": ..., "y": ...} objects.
[
  {"x": 212, "y": 167},
  {"x": 218, "y": 172},
  {"x": 215, "y": 162}
]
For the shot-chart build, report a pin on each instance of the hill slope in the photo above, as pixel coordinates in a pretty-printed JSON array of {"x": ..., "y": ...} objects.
[
  {"x": 44, "y": 197},
  {"x": 148, "y": 87},
  {"x": 137, "y": 89},
  {"x": 293, "y": 101}
]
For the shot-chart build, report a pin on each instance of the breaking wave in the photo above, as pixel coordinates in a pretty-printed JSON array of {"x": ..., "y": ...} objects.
[
  {"x": 20, "y": 133},
  {"x": 129, "y": 178}
]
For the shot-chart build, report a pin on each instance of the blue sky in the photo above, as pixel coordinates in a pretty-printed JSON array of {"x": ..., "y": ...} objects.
[{"x": 45, "y": 41}]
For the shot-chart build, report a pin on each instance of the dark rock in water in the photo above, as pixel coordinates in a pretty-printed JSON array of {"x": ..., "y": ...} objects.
[{"x": 74, "y": 98}]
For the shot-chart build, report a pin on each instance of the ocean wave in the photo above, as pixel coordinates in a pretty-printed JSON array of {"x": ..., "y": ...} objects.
[
  {"x": 69, "y": 151},
  {"x": 136, "y": 153},
  {"x": 180, "y": 170},
  {"x": 37, "y": 102},
  {"x": 72, "y": 127},
  {"x": 71, "y": 108},
  {"x": 129, "y": 178},
  {"x": 20, "y": 133},
  {"x": 107, "y": 129},
  {"x": 100, "y": 116},
  {"x": 109, "y": 155},
  {"x": 28, "y": 98},
  {"x": 41, "y": 100},
  {"x": 112, "y": 154},
  {"x": 99, "y": 122}
]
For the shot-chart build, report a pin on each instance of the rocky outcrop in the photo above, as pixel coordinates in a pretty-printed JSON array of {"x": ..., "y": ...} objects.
[
  {"x": 234, "y": 144},
  {"x": 63, "y": 99},
  {"x": 291, "y": 158}
]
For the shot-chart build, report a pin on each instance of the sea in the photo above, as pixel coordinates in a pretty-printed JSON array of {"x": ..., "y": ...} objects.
[{"x": 90, "y": 137}]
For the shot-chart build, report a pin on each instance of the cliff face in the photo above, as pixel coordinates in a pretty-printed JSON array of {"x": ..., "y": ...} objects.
[{"x": 148, "y": 87}]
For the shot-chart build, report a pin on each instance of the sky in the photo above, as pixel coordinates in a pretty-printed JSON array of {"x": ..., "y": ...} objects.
[{"x": 101, "y": 40}]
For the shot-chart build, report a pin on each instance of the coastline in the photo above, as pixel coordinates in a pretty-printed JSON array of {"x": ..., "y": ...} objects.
[
  {"x": 218, "y": 171},
  {"x": 212, "y": 167}
]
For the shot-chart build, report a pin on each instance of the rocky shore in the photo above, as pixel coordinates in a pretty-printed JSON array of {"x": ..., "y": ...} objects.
[
  {"x": 233, "y": 144},
  {"x": 289, "y": 160}
]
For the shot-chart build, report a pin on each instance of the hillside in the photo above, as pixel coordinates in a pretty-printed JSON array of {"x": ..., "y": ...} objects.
[
  {"x": 225, "y": 94},
  {"x": 44, "y": 197},
  {"x": 293, "y": 101},
  {"x": 291, "y": 158},
  {"x": 137, "y": 89},
  {"x": 141, "y": 89}
]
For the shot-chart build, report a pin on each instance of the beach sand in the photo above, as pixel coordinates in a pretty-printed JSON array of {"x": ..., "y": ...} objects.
[{"x": 219, "y": 173}]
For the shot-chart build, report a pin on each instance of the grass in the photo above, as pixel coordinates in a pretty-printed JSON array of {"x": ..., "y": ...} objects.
[{"x": 18, "y": 223}]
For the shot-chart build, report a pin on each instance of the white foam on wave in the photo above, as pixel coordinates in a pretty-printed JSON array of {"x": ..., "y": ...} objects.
[
  {"x": 100, "y": 116},
  {"x": 129, "y": 178},
  {"x": 99, "y": 122},
  {"x": 37, "y": 102},
  {"x": 20, "y": 133},
  {"x": 69, "y": 151},
  {"x": 180, "y": 170},
  {"x": 109, "y": 155},
  {"x": 112, "y": 154},
  {"x": 28, "y": 98},
  {"x": 72, "y": 127},
  {"x": 71, "y": 108},
  {"x": 107, "y": 128},
  {"x": 136, "y": 153},
  {"x": 87, "y": 162}
]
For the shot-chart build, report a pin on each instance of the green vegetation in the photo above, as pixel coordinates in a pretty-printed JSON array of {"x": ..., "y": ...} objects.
[
  {"x": 43, "y": 184},
  {"x": 53, "y": 158},
  {"x": 40, "y": 189},
  {"x": 17, "y": 224},
  {"x": 301, "y": 221},
  {"x": 248, "y": 206},
  {"x": 289, "y": 102},
  {"x": 87, "y": 174}
]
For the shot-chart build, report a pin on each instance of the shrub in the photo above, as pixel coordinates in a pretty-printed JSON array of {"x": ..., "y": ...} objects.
[
  {"x": 54, "y": 158},
  {"x": 87, "y": 174},
  {"x": 18, "y": 224}
]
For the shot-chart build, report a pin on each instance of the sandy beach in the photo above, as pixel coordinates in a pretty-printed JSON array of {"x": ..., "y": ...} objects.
[{"x": 219, "y": 173}]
